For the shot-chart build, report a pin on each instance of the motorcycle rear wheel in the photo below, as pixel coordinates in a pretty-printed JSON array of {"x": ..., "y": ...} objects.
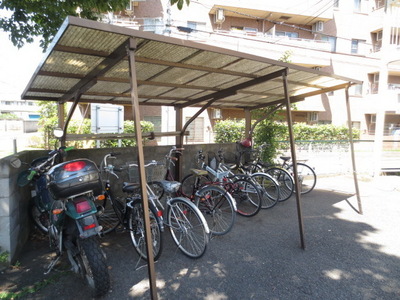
[
  {"x": 93, "y": 266},
  {"x": 41, "y": 219}
]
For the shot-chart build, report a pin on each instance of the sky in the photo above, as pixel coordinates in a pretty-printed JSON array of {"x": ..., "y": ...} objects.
[{"x": 16, "y": 66}]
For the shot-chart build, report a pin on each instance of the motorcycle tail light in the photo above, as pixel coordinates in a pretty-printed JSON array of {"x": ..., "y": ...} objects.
[
  {"x": 82, "y": 206},
  {"x": 90, "y": 226},
  {"x": 74, "y": 166}
]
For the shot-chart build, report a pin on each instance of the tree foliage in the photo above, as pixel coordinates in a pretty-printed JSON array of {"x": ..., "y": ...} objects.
[
  {"x": 229, "y": 131},
  {"x": 42, "y": 18},
  {"x": 179, "y": 3},
  {"x": 26, "y": 20}
]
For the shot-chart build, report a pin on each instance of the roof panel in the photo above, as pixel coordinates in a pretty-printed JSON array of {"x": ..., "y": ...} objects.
[
  {"x": 211, "y": 59},
  {"x": 110, "y": 87},
  {"x": 86, "y": 38},
  {"x": 71, "y": 63},
  {"x": 162, "y": 51},
  {"x": 54, "y": 83},
  {"x": 178, "y": 75},
  {"x": 90, "y": 59}
]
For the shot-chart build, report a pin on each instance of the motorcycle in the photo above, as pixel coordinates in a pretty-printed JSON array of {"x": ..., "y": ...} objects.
[{"x": 63, "y": 207}]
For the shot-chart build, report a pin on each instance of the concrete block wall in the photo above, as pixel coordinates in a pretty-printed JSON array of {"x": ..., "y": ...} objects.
[
  {"x": 14, "y": 203},
  {"x": 15, "y": 223}
]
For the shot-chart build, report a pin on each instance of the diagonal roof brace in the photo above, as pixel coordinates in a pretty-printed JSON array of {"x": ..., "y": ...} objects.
[{"x": 232, "y": 90}]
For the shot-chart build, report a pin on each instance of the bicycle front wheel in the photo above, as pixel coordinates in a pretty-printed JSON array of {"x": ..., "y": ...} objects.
[
  {"x": 218, "y": 208},
  {"x": 247, "y": 196},
  {"x": 188, "y": 228},
  {"x": 191, "y": 184},
  {"x": 137, "y": 230},
  {"x": 307, "y": 177},
  {"x": 285, "y": 181},
  {"x": 270, "y": 191}
]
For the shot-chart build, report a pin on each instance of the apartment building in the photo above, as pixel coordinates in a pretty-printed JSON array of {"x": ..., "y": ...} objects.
[{"x": 359, "y": 39}]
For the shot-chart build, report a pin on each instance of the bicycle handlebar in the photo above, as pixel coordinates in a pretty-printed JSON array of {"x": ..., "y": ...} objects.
[{"x": 151, "y": 163}]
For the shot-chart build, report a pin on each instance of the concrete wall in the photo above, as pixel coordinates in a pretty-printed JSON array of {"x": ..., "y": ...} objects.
[
  {"x": 15, "y": 223},
  {"x": 14, "y": 202}
]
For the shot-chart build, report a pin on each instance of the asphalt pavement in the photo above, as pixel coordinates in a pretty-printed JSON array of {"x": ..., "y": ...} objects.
[{"x": 347, "y": 255}]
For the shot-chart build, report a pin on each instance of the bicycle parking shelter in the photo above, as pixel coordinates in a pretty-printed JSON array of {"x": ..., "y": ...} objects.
[{"x": 92, "y": 62}]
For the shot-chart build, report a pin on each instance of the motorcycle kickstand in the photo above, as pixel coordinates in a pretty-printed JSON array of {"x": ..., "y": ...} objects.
[{"x": 52, "y": 264}]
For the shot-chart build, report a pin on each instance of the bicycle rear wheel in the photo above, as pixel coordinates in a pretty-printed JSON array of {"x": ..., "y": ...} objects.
[
  {"x": 270, "y": 191},
  {"x": 188, "y": 228},
  {"x": 247, "y": 196},
  {"x": 307, "y": 177},
  {"x": 217, "y": 207},
  {"x": 285, "y": 181},
  {"x": 137, "y": 230}
]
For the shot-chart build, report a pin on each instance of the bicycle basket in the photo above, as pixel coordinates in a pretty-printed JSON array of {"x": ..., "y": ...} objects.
[
  {"x": 213, "y": 161},
  {"x": 246, "y": 154},
  {"x": 153, "y": 172},
  {"x": 230, "y": 158}
]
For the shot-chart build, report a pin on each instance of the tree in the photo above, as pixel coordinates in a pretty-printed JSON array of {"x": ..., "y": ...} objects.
[
  {"x": 43, "y": 18},
  {"x": 179, "y": 3}
]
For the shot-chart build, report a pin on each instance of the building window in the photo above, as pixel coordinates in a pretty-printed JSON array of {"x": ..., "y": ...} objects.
[
  {"x": 355, "y": 90},
  {"x": 244, "y": 30},
  {"x": 196, "y": 130},
  {"x": 356, "y": 124},
  {"x": 312, "y": 117},
  {"x": 354, "y": 46},
  {"x": 331, "y": 40},
  {"x": 292, "y": 35},
  {"x": 153, "y": 24},
  {"x": 357, "y": 5},
  {"x": 196, "y": 25}
]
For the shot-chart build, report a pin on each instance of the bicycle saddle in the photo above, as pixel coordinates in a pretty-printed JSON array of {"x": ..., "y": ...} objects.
[
  {"x": 129, "y": 187},
  {"x": 285, "y": 158}
]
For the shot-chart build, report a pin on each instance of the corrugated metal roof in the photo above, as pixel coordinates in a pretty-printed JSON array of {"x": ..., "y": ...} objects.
[{"x": 89, "y": 59}]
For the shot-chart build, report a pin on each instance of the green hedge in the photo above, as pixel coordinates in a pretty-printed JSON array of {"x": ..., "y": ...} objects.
[{"x": 276, "y": 135}]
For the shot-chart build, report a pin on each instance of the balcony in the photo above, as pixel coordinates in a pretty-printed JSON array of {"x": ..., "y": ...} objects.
[
  {"x": 258, "y": 38},
  {"x": 284, "y": 11}
]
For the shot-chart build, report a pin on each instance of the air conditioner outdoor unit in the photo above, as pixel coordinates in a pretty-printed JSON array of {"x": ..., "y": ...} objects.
[
  {"x": 318, "y": 26},
  {"x": 219, "y": 16}
]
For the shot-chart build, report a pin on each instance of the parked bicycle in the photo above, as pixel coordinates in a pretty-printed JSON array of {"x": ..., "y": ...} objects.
[
  {"x": 187, "y": 226},
  {"x": 269, "y": 187},
  {"x": 216, "y": 204},
  {"x": 306, "y": 175},
  {"x": 248, "y": 160},
  {"x": 245, "y": 192}
]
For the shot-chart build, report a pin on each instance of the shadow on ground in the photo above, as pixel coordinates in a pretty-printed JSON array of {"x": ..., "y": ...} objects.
[{"x": 260, "y": 258}]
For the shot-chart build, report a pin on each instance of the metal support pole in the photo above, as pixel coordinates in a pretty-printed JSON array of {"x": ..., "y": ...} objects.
[
  {"x": 294, "y": 160},
  {"x": 179, "y": 141},
  {"x": 142, "y": 173},
  {"x": 61, "y": 121},
  {"x": 247, "y": 118},
  {"x": 353, "y": 159}
]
